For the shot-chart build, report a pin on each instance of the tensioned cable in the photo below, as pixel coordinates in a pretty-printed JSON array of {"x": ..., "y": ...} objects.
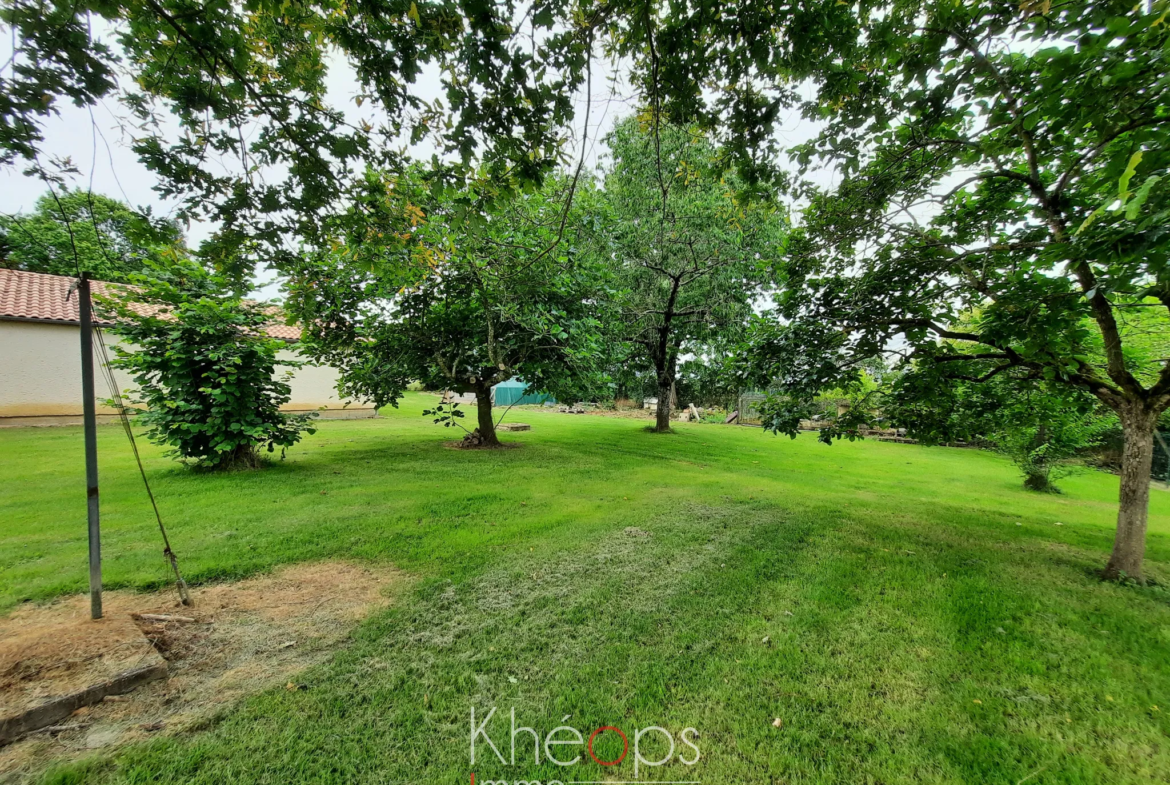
[
  {"x": 184, "y": 595},
  {"x": 116, "y": 396}
]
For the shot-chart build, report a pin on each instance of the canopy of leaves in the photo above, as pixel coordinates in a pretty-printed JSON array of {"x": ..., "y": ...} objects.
[
  {"x": 259, "y": 148},
  {"x": 231, "y": 110},
  {"x": 992, "y": 156},
  {"x": 487, "y": 300},
  {"x": 78, "y": 230},
  {"x": 689, "y": 256},
  {"x": 205, "y": 370}
]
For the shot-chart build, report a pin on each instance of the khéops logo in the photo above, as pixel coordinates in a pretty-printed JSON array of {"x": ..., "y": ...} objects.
[{"x": 564, "y": 741}]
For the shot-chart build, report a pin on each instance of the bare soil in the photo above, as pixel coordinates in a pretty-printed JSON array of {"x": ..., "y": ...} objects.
[
  {"x": 47, "y": 655},
  {"x": 247, "y": 636},
  {"x": 462, "y": 446}
]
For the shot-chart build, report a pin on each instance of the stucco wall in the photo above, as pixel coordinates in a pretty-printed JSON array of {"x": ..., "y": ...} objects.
[
  {"x": 315, "y": 387},
  {"x": 40, "y": 378}
]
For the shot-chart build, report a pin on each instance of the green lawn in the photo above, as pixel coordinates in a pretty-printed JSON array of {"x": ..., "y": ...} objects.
[{"x": 914, "y": 632}]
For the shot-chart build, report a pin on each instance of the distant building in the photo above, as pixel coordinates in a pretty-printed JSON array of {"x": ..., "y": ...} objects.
[{"x": 40, "y": 358}]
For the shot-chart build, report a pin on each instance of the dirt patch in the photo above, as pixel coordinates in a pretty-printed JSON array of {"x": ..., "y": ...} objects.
[
  {"x": 625, "y": 414},
  {"x": 45, "y": 656},
  {"x": 465, "y": 446},
  {"x": 633, "y": 413},
  {"x": 245, "y": 637}
]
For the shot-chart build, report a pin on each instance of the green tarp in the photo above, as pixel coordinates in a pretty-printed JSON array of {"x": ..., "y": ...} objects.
[{"x": 511, "y": 393}]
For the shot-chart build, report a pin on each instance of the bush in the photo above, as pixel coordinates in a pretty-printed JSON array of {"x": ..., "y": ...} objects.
[
  {"x": 1041, "y": 449},
  {"x": 1041, "y": 427},
  {"x": 205, "y": 369}
]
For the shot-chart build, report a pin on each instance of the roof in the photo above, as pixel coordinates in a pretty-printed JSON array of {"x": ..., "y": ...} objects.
[
  {"x": 43, "y": 298},
  {"x": 39, "y": 297}
]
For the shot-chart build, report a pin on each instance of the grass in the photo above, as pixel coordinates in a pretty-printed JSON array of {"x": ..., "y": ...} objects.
[{"x": 879, "y": 599}]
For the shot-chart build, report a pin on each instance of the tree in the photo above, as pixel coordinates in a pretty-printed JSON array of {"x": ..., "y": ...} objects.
[
  {"x": 705, "y": 377},
  {"x": 1038, "y": 425},
  {"x": 701, "y": 380},
  {"x": 629, "y": 379},
  {"x": 204, "y": 369},
  {"x": 689, "y": 257},
  {"x": 490, "y": 303},
  {"x": 231, "y": 109},
  {"x": 76, "y": 228},
  {"x": 995, "y": 156}
]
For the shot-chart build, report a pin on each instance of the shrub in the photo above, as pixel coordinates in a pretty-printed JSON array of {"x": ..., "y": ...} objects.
[
  {"x": 1041, "y": 427},
  {"x": 205, "y": 369}
]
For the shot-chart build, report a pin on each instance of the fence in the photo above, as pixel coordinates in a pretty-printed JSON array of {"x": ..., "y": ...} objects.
[{"x": 749, "y": 407}]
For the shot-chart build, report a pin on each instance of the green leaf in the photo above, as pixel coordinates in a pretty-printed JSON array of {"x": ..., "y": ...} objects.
[
  {"x": 1126, "y": 176},
  {"x": 1093, "y": 216},
  {"x": 1139, "y": 198}
]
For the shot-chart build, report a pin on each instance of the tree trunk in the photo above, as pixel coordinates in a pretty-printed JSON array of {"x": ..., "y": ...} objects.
[
  {"x": 1037, "y": 479},
  {"x": 1129, "y": 544},
  {"x": 244, "y": 456},
  {"x": 662, "y": 417},
  {"x": 487, "y": 428},
  {"x": 1037, "y": 470}
]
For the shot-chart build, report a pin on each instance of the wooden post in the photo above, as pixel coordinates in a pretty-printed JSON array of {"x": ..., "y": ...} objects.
[{"x": 89, "y": 404}]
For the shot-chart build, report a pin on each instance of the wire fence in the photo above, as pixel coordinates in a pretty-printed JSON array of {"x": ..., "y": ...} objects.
[{"x": 749, "y": 407}]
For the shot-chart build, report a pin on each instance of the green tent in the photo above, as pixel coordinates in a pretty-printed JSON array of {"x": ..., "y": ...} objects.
[{"x": 511, "y": 393}]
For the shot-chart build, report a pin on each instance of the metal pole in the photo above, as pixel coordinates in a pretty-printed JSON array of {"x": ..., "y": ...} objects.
[{"x": 91, "y": 468}]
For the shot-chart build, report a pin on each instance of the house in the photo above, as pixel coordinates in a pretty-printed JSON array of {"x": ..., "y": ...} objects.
[{"x": 40, "y": 358}]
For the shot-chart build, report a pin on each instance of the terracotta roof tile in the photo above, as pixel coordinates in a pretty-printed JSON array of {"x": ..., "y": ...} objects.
[
  {"x": 25, "y": 295},
  {"x": 46, "y": 298},
  {"x": 286, "y": 332}
]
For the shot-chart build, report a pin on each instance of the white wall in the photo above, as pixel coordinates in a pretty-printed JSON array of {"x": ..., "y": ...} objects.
[
  {"x": 40, "y": 371},
  {"x": 315, "y": 387},
  {"x": 40, "y": 378}
]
